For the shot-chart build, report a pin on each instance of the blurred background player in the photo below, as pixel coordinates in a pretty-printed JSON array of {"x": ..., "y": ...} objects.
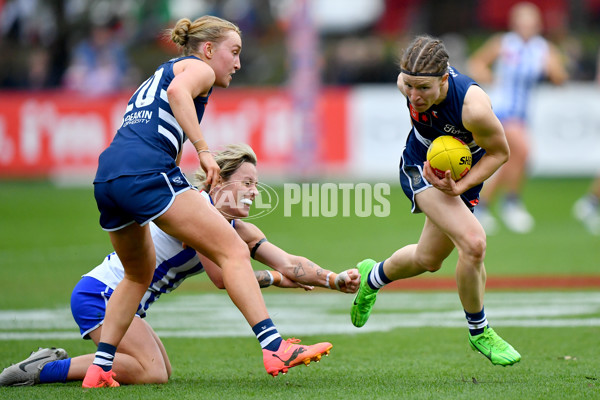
[
  {"x": 439, "y": 98},
  {"x": 514, "y": 63},
  {"x": 141, "y": 357},
  {"x": 587, "y": 208}
]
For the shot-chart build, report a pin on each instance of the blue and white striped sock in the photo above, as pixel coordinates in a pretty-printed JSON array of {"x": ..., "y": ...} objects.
[
  {"x": 377, "y": 278},
  {"x": 267, "y": 335},
  {"x": 105, "y": 356},
  {"x": 477, "y": 322}
]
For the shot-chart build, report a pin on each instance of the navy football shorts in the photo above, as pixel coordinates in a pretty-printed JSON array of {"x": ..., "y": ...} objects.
[
  {"x": 413, "y": 181},
  {"x": 138, "y": 198}
]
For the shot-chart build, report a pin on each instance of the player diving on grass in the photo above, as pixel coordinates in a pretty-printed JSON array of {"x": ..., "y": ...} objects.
[
  {"x": 141, "y": 356},
  {"x": 441, "y": 102}
]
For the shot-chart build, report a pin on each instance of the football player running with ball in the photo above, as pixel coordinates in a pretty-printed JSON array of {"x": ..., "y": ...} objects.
[
  {"x": 442, "y": 101},
  {"x": 141, "y": 356}
]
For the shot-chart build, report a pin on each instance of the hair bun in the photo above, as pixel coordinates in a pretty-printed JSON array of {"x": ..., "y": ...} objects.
[{"x": 179, "y": 33}]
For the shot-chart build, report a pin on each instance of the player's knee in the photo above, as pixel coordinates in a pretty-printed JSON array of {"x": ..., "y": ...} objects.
[
  {"x": 237, "y": 255},
  {"x": 219, "y": 284},
  {"x": 141, "y": 276},
  {"x": 139, "y": 271},
  {"x": 428, "y": 264},
  {"x": 161, "y": 378},
  {"x": 147, "y": 276},
  {"x": 142, "y": 373},
  {"x": 157, "y": 376},
  {"x": 433, "y": 267},
  {"x": 473, "y": 248},
  {"x": 153, "y": 373}
]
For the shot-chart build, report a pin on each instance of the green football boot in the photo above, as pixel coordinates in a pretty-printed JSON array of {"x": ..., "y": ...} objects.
[
  {"x": 365, "y": 297},
  {"x": 496, "y": 349}
]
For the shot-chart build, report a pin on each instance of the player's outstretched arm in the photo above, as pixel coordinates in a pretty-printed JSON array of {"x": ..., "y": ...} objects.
[
  {"x": 302, "y": 270},
  {"x": 297, "y": 268},
  {"x": 275, "y": 278},
  {"x": 264, "y": 278}
]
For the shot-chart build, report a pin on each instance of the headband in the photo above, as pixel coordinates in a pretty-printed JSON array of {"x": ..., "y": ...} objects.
[{"x": 404, "y": 71}]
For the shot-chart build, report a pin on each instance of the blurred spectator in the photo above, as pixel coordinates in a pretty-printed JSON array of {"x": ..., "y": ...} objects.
[
  {"x": 575, "y": 59},
  {"x": 30, "y": 28},
  {"x": 26, "y": 21},
  {"x": 360, "y": 60},
  {"x": 264, "y": 56},
  {"x": 30, "y": 31},
  {"x": 598, "y": 68},
  {"x": 99, "y": 63},
  {"x": 38, "y": 71},
  {"x": 456, "y": 44},
  {"x": 514, "y": 62}
]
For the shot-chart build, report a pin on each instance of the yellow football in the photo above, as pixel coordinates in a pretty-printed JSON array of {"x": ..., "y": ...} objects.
[{"x": 449, "y": 153}]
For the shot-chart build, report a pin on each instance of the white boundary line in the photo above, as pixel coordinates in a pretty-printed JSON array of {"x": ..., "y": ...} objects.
[{"x": 214, "y": 315}]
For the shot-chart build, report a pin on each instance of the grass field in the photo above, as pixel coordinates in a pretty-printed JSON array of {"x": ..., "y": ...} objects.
[{"x": 49, "y": 237}]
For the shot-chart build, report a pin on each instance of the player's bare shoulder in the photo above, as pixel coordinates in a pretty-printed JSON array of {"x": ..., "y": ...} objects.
[
  {"x": 196, "y": 72},
  {"x": 477, "y": 109},
  {"x": 194, "y": 64}
]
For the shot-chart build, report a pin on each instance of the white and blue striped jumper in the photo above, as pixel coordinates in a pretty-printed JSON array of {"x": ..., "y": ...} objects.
[
  {"x": 518, "y": 69},
  {"x": 174, "y": 264}
]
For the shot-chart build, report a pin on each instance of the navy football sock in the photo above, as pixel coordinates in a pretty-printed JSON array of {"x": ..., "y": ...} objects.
[
  {"x": 377, "y": 278},
  {"x": 105, "y": 356},
  {"x": 267, "y": 335},
  {"x": 477, "y": 322}
]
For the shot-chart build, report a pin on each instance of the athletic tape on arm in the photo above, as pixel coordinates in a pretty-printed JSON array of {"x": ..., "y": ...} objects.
[{"x": 253, "y": 251}]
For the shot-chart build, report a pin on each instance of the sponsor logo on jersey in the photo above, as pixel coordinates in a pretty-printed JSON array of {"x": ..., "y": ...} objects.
[
  {"x": 137, "y": 117},
  {"x": 456, "y": 132},
  {"x": 423, "y": 118}
]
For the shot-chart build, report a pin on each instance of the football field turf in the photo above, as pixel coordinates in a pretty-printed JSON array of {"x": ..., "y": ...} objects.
[{"x": 413, "y": 347}]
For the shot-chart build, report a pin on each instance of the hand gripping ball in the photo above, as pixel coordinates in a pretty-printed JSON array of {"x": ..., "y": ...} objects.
[{"x": 449, "y": 153}]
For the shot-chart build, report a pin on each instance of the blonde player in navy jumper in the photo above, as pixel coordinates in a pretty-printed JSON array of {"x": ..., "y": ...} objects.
[
  {"x": 141, "y": 357},
  {"x": 138, "y": 180},
  {"x": 441, "y": 101}
]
